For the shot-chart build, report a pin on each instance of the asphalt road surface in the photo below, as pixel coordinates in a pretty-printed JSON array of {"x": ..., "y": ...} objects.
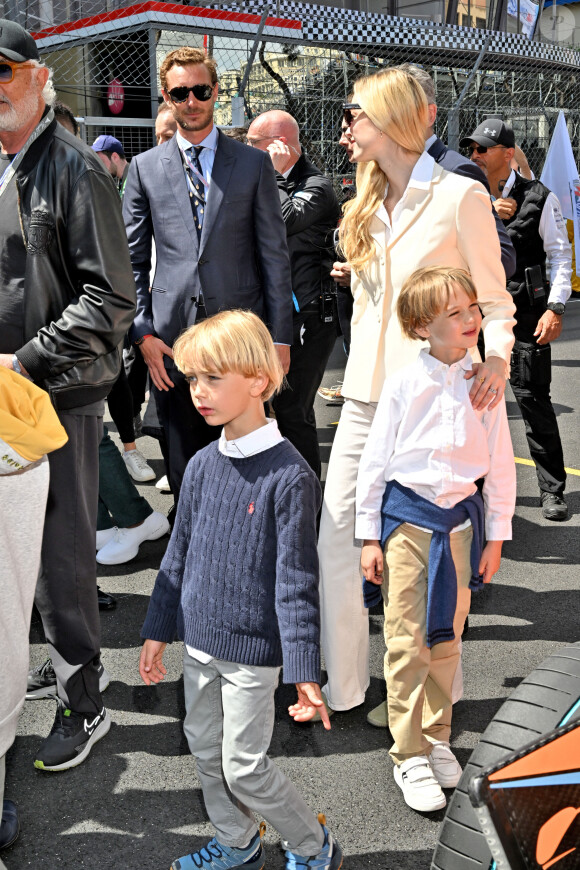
[{"x": 136, "y": 804}]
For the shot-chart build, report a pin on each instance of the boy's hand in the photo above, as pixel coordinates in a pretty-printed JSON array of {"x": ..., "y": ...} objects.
[
  {"x": 371, "y": 562},
  {"x": 309, "y": 701},
  {"x": 490, "y": 560},
  {"x": 151, "y": 665}
]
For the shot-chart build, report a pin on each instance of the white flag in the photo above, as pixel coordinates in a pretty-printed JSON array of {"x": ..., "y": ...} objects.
[{"x": 560, "y": 174}]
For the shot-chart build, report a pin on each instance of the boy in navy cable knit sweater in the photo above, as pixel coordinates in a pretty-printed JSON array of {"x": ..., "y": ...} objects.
[{"x": 239, "y": 585}]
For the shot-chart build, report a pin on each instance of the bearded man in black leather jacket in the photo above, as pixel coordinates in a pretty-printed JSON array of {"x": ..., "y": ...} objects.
[{"x": 67, "y": 298}]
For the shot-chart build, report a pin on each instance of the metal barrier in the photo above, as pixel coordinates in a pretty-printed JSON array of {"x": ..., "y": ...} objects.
[{"x": 303, "y": 58}]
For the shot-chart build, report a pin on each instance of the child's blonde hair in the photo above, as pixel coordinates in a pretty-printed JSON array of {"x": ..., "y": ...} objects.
[
  {"x": 231, "y": 341},
  {"x": 425, "y": 294}
]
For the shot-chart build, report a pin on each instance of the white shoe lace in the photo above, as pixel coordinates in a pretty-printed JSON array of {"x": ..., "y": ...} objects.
[{"x": 139, "y": 460}]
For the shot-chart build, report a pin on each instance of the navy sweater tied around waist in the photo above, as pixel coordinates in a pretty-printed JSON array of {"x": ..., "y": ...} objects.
[{"x": 403, "y": 505}]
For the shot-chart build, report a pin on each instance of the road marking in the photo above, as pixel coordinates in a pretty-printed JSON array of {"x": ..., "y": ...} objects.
[{"x": 530, "y": 462}]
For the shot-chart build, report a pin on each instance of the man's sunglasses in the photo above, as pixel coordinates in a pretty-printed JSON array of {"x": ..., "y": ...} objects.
[
  {"x": 200, "y": 92},
  {"x": 481, "y": 149},
  {"x": 8, "y": 68},
  {"x": 347, "y": 112}
]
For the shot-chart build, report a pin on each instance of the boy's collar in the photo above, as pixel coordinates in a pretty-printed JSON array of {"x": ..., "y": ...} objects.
[{"x": 432, "y": 364}]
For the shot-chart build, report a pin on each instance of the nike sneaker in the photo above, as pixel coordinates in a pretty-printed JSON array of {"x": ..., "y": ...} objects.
[{"x": 71, "y": 738}]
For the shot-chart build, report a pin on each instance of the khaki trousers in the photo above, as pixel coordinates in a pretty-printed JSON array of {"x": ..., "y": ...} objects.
[{"x": 419, "y": 679}]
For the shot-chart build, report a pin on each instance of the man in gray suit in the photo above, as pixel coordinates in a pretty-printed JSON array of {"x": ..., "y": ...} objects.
[{"x": 211, "y": 204}]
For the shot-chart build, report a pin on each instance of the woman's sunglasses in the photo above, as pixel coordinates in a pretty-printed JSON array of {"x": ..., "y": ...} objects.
[
  {"x": 347, "y": 112},
  {"x": 8, "y": 68},
  {"x": 200, "y": 92}
]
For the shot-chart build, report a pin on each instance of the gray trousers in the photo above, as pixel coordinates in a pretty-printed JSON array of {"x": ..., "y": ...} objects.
[
  {"x": 66, "y": 594},
  {"x": 228, "y": 724}
]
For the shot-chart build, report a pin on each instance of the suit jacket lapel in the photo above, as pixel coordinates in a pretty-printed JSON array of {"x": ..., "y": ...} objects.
[
  {"x": 173, "y": 166},
  {"x": 417, "y": 200},
  {"x": 220, "y": 176}
]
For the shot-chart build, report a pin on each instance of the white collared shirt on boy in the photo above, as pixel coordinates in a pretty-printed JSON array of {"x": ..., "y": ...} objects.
[
  {"x": 427, "y": 436},
  {"x": 248, "y": 445}
]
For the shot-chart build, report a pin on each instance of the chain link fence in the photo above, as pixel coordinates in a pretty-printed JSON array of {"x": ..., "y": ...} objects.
[{"x": 106, "y": 54}]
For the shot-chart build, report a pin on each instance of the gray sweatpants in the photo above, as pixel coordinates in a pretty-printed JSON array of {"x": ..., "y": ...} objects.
[{"x": 228, "y": 723}]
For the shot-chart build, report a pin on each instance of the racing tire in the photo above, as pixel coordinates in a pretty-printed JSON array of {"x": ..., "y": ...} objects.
[{"x": 548, "y": 697}]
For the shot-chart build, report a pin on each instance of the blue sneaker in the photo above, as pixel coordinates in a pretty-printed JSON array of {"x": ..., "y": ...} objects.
[
  {"x": 216, "y": 856},
  {"x": 329, "y": 857}
]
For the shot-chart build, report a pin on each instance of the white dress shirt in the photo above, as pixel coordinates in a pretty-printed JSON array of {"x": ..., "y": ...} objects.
[
  {"x": 207, "y": 156},
  {"x": 248, "y": 445},
  {"x": 427, "y": 436},
  {"x": 558, "y": 250},
  {"x": 420, "y": 178}
]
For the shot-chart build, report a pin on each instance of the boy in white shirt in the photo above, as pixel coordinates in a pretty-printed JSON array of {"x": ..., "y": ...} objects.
[{"x": 417, "y": 501}]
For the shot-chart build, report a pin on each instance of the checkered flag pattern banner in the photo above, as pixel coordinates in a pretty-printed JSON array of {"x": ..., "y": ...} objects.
[{"x": 106, "y": 54}]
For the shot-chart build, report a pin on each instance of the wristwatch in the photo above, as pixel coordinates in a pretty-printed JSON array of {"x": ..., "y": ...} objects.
[
  {"x": 139, "y": 341},
  {"x": 557, "y": 307}
]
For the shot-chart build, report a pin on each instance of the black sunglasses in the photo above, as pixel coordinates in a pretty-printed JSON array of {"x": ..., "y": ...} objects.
[
  {"x": 347, "y": 112},
  {"x": 481, "y": 149},
  {"x": 200, "y": 92}
]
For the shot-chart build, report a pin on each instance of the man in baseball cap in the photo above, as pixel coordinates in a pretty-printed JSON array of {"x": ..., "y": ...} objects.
[
  {"x": 491, "y": 133},
  {"x": 533, "y": 219},
  {"x": 112, "y": 154},
  {"x": 16, "y": 43}
]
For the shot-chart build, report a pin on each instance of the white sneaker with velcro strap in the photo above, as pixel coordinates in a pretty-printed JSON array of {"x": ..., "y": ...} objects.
[{"x": 420, "y": 789}]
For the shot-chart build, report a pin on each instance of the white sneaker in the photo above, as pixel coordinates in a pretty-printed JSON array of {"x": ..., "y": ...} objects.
[
  {"x": 446, "y": 769},
  {"x": 104, "y": 536},
  {"x": 125, "y": 543},
  {"x": 137, "y": 466},
  {"x": 420, "y": 789},
  {"x": 163, "y": 484}
]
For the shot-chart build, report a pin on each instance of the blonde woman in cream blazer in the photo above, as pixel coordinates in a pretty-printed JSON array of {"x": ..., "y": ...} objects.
[{"x": 429, "y": 216}]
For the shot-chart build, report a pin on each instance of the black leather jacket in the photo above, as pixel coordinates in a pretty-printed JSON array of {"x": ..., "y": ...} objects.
[
  {"x": 79, "y": 292},
  {"x": 310, "y": 210}
]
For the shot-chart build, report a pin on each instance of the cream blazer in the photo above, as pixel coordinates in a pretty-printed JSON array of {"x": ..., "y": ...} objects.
[{"x": 448, "y": 224}]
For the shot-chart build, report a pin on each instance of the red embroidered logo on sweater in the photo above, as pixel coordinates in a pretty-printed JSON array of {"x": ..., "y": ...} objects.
[{"x": 251, "y": 508}]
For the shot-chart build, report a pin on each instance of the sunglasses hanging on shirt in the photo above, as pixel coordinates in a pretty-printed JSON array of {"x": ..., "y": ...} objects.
[{"x": 200, "y": 92}]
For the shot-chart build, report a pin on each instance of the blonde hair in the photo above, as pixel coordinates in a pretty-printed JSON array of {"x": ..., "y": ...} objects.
[
  {"x": 186, "y": 56},
  {"x": 425, "y": 294},
  {"x": 231, "y": 341},
  {"x": 396, "y": 104}
]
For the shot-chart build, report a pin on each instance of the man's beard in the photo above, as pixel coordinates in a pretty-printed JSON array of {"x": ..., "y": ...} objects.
[{"x": 18, "y": 115}]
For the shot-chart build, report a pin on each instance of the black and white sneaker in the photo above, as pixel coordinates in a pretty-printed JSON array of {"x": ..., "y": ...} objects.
[
  {"x": 42, "y": 681},
  {"x": 71, "y": 738}
]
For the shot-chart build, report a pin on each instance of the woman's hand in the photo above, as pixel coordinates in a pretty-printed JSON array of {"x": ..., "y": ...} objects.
[{"x": 489, "y": 384}]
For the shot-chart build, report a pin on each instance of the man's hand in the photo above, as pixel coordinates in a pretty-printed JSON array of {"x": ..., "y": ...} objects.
[
  {"x": 153, "y": 350},
  {"x": 490, "y": 560},
  {"x": 6, "y": 361},
  {"x": 282, "y": 154},
  {"x": 309, "y": 701},
  {"x": 371, "y": 561},
  {"x": 506, "y": 208},
  {"x": 341, "y": 274},
  {"x": 284, "y": 356},
  {"x": 151, "y": 667},
  {"x": 549, "y": 327},
  {"x": 489, "y": 384}
]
